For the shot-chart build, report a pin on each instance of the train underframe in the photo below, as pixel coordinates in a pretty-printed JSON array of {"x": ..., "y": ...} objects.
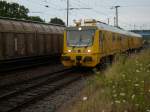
[
  {"x": 93, "y": 60},
  {"x": 86, "y": 60}
]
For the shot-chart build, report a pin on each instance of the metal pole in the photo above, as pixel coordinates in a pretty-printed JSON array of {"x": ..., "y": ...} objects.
[
  {"x": 117, "y": 15},
  {"x": 68, "y": 8},
  {"x": 67, "y": 12},
  {"x": 108, "y": 20},
  {"x": 114, "y": 21}
]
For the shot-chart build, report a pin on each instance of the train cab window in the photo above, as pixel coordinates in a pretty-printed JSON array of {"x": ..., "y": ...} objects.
[{"x": 80, "y": 38}]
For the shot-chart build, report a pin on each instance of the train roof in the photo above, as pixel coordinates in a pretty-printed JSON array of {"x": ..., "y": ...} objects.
[
  {"x": 103, "y": 26},
  {"x": 107, "y": 27},
  {"x": 13, "y": 25},
  {"x": 30, "y": 21}
]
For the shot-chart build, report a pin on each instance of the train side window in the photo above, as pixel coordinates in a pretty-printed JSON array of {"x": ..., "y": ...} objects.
[
  {"x": 116, "y": 37},
  {"x": 120, "y": 38},
  {"x": 113, "y": 37},
  {"x": 16, "y": 44},
  {"x": 103, "y": 36},
  {"x": 100, "y": 38}
]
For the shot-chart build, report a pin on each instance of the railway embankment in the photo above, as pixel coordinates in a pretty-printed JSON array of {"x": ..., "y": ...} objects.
[{"x": 123, "y": 87}]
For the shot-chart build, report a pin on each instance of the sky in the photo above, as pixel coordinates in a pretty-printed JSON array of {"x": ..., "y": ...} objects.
[{"x": 133, "y": 14}]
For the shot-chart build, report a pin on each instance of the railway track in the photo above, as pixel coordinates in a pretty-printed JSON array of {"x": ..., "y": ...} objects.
[
  {"x": 15, "y": 97},
  {"x": 22, "y": 63}
]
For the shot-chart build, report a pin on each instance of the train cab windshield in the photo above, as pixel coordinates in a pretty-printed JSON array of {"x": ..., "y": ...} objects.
[{"x": 80, "y": 38}]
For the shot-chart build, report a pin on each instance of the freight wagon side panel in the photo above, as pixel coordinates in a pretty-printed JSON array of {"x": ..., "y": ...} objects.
[
  {"x": 61, "y": 43},
  {"x": 21, "y": 45},
  {"x": 30, "y": 44},
  {"x": 55, "y": 44},
  {"x": 1, "y": 47},
  {"x": 48, "y": 44},
  {"x": 58, "y": 44},
  {"x": 9, "y": 45},
  {"x": 52, "y": 44},
  {"x": 40, "y": 44}
]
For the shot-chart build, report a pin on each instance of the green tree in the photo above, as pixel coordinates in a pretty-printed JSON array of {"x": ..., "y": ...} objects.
[
  {"x": 57, "y": 21},
  {"x": 13, "y": 10},
  {"x": 36, "y": 18}
]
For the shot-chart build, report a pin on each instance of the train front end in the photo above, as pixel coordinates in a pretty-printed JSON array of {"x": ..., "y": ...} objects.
[{"x": 79, "y": 48}]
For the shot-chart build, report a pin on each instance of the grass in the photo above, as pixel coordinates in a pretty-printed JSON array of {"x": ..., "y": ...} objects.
[{"x": 123, "y": 87}]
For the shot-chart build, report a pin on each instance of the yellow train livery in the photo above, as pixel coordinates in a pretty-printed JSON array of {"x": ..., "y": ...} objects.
[{"x": 88, "y": 44}]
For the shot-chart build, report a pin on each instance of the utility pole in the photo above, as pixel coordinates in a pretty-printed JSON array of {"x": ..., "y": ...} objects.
[
  {"x": 117, "y": 15},
  {"x": 108, "y": 20},
  {"x": 114, "y": 21},
  {"x": 67, "y": 11},
  {"x": 116, "y": 7},
  {"x": 68, "y": 8},
  {"x": 134, "y": 26}
]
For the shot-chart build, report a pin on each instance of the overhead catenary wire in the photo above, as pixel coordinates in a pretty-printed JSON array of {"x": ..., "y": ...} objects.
[
  {"x": 99, "y": 8},
  {"x": 93, "y": 10},
  {"x": 45, "y": 9}
]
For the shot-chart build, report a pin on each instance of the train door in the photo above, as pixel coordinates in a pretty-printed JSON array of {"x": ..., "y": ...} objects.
[
  {"x": 30, "y": 42},
  {"x": 20, "y": 45},
  {"x": 2, "y": 47},
  {"x": 1, "y": 54},
  {"x": 101, "y": 46},
  {"x": 113, "y": 43}
]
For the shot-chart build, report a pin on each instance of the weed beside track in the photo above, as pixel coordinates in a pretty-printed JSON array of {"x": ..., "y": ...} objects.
[{"x": 123, "y": 87}]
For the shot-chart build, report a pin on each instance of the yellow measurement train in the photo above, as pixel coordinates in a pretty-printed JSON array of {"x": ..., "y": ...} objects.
[{"x": 94, "y": 42}]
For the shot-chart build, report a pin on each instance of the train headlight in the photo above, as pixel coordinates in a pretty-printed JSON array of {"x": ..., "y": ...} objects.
[
  {"x": 89, "y": 51},
  {"x": 69, "y": 50},
  {"x": 79, "y": 28}
]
